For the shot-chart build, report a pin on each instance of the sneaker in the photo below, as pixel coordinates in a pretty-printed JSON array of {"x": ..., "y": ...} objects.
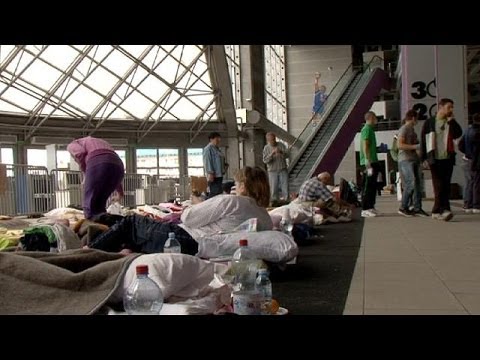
[
  {"x": 447, "y": 215},
  {"x": 332, "y": 219},
  {"x": 421, "y": 213},
  {"x": 437, "y": 216},
  {"x": 406, "y": 212},
  {"x": 468, "y": 210},
  {"x": 375, "y": 211},
  {"x": 368, "y": 213},
  {"x": 476, "y": 211}
]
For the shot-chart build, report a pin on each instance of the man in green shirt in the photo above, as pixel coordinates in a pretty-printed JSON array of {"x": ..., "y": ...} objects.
[{"x": 369, "y": 164}]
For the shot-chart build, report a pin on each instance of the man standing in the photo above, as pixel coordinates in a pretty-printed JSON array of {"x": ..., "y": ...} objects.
[
  {"x": 409, "y": 166},
  {"x": 438, "y": 150},
  {"x": 274, "y": 156},
  {"x": 470, "y": 146},
  {"x": 214, "y": 164},
  {"x": 369, "y": 164}
]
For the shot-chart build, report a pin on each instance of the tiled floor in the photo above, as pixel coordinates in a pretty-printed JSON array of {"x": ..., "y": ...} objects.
[{"x": 416, "y": 266}]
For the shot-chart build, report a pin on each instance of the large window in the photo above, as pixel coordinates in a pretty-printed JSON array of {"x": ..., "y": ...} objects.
[
  {"x": 195, "y": 162},
  {"x": 63, "y": 159},
  {"x": 147, "y": 161},
  {"x": 275, "y": 90},
  {"x": 137, "y": 82},
  {"x": 122, "y": 154},
  {"x": 6, "y": 155},
  {"x": 233, "y": 60},
  {"x": 37, "y": 157},
  {"x": 161, "y": 162}
]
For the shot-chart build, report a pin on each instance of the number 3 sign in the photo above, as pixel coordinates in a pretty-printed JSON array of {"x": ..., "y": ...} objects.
[{"x": 427, "y": 94}]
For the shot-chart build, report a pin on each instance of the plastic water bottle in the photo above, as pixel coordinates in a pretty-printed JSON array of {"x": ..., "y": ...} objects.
[
  {"x": 246, "y": 298},
  {"x": 172, "y": 245},
  {"x": 243, "y": 260},
  {"x": 143, "y": 296},
  {"x": 264, "y": 287},
  {"x": 286, "y": 225}
]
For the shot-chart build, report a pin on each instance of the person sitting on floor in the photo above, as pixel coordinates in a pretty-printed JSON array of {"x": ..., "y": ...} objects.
[
  {"x": 315, "y": 193},
  {"x": 221, "y": 213}
]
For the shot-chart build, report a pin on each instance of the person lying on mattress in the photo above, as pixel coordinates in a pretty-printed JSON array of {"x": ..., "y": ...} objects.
[{"x": 221, "y": 213}]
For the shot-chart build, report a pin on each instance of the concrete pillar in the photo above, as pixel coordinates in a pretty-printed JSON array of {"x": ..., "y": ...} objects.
[
  {"x": 430, "y": 73},
  {"x": 253, "y": 147},
  {"x": 51, "y": 157},
  {"x": 253, "y": 100}
]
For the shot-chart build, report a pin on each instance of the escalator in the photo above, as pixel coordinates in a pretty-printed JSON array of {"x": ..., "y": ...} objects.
[{"x": 325, "y": 145}]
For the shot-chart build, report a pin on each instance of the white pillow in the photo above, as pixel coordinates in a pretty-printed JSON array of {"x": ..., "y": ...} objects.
[
  {"x": 269, "y": 245},
  {"x": 177, "y": 274}
]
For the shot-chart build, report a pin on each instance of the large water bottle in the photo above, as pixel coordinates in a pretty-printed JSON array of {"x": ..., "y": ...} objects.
[
  {"x": 243, "y": 267},
  {"x": 246, "y": 299},
  {"x": 286, "y": 224},
  {"x": 264, "y": 287},
  {"x": 172, "y": 245},
  {"x": 143, "y": 296}
]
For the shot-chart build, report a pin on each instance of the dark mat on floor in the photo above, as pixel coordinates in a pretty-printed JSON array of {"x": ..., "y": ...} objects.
[{"x": 319, "y": 282}]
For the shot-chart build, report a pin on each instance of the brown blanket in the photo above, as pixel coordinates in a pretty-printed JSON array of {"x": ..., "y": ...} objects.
[{"x": 74, "y": 282}]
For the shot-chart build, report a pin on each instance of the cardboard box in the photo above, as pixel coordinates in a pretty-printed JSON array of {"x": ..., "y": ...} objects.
[{"x": 198, "y": 183}]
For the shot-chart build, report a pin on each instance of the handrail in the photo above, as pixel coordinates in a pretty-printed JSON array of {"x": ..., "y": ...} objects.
[
  {"x": 323, "y": 107},
  {"x": 363, "y": 83},
  {"x": 375, "y": 57}
]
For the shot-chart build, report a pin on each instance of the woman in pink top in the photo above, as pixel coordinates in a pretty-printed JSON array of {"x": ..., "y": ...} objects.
[{"x": 103, "y": 172}]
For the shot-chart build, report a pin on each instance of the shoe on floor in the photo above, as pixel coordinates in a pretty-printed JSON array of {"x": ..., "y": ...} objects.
[
  {"x": 476, "y": 211},
  {"x": 368, "y": 213},
  {"x": 468, "y": 210},
  {"x": 406, "y": 212},
  {"x": 437, "y": 216},
  {"x": 447, "y": 215},
  {"x": 421, "y": 213}
]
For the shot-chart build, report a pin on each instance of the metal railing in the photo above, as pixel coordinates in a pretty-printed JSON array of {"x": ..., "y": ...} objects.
[
  {"x": 32, "y": 189},
  {"x": 311, "y": 128},
  {"x": 29, "y": 190}
]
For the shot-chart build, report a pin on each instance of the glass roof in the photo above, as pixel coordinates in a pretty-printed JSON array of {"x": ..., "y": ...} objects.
[{"x": 135, "y": 82}]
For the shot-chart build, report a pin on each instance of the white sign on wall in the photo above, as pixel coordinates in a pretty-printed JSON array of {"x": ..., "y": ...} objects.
[{"x": 419, "y": 89}]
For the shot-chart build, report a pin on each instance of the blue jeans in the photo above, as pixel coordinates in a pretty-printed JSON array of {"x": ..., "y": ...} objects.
[
  {"x": 410, "y": 172},
  {"x": 278, "y": 184},
  {"x": 215, "y": 187},
  {"x": 467, "y": 190}
]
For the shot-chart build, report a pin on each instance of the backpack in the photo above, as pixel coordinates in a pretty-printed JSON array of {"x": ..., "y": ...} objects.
[{"x": 394, "y": 148}]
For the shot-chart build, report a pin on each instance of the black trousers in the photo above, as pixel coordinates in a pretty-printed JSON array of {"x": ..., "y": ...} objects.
[
  {"x": 215, "y": 187},
  {"x": 369, "y": 191},
  {"x": 441, "y": 176},
  {"x": 142, "y": 234}
]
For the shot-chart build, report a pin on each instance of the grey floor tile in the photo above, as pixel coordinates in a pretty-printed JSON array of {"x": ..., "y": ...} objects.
[{"x": 414, "y": 312}]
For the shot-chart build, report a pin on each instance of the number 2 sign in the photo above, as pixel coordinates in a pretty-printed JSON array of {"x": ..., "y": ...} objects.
[{"x": 424, "y": 98}]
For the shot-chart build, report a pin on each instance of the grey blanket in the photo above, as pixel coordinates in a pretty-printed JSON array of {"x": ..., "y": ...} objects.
[{"x": 75, "y": 282}]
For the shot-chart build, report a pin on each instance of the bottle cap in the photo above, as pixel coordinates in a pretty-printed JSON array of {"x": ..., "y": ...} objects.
[
  {"x": 142, "y": 269},
  {"x": 244, "y": 242},
  {"x": 263, "y": 271},
  {"x": 171, "y": 234}
]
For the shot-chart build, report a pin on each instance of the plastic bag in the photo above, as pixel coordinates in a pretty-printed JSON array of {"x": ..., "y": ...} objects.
[{"x": 115, "y": 208}]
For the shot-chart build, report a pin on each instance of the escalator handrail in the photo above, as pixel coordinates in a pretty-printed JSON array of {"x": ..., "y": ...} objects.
[
  {"x": 362, "y": 85},
  {"x": 362, "y": 80},
  {"x": 324, "y": 112}
]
